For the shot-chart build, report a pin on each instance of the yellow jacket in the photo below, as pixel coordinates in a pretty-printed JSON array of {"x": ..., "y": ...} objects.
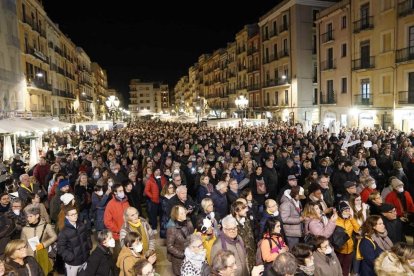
[
  {"x": 208, "y": 244},
  {"x": 350, "y": 225}
]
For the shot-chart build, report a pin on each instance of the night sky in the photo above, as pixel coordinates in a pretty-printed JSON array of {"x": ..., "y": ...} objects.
[{"x": 151, "y": 40}]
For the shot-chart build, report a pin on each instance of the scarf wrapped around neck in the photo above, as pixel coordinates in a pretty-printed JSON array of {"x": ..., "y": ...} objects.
[{"x": 382, "y": 240}]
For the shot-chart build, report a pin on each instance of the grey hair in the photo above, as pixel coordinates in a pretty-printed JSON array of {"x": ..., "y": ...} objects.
[
  {"x": 229, "y": 220},
  {"x": 285, "y": 264},
  {"x": 205, "y": 202},
  {"x": 22, "y": 175},
  {"x": 181, "y": 189},
  {"x": 126, "y": 212},
  {"x": 32, "y": 210},
  {"x": 220, "y": 184},
  {"x": 193, "y": 238}
]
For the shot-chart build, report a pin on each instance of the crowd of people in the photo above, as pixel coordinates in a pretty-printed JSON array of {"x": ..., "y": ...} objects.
[{"x": 266, "y": 200}]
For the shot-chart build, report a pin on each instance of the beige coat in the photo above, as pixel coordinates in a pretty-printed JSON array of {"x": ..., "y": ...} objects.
[
  {"x": 49, "y": 235},
  {"x": 43, "y": 211},
  {"x": 126, "y": 261}
]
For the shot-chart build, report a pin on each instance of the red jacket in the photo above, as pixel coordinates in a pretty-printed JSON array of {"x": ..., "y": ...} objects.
[
  {"x": 114, "y": 215},
  {"x": 365, "y": 194},
  {"x": 151, "y": 189},
  {"x": 40, "y": 172},
  {"x": 393, "y": 199}
]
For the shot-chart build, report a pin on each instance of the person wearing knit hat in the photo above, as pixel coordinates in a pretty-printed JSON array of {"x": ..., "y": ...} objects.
[
  {"x": 401, "y": 199},
  {"x": 63, "y": 183},
  {"x": 350, "y": 188},
  {"x": 350, "y": 226}
]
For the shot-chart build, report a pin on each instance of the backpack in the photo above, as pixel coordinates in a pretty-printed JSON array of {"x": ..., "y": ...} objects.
[
  {"x": 259, "y": 258},
  {"x": 358, "y": 255}
]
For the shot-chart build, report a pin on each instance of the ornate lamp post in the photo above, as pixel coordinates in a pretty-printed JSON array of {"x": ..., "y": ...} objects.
[
  {"x": 112, "y": 103},
  {"x": 198, "y": 109},
  {"x": 242, "y": 104}
]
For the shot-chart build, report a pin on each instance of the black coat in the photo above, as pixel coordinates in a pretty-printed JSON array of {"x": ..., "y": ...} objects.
[
  {"x": 74, "y": 244},
  {"x": 394, "y": 229},
  {"x": 29, "y": 263},
  {"x": 271, "y": 181},
  {"x": 100, "y": 263}
]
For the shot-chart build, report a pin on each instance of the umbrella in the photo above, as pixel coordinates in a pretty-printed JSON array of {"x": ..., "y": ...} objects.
[{"x": 7, "y": 148}]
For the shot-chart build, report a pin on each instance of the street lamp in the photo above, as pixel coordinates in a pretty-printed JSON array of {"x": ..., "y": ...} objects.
[
  {"x": 242, "y": 103},
  {"x": 112, "y": 103},
  {"x": 198, "y": 109}
]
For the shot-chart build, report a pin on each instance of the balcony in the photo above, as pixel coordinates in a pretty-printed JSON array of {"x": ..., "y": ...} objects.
[
  {"x": 365, "y": 23},
  {"x": 269, "y": 83},
  {"x": 363, "y": 63},
  {"x": 273, "y": 33},
  {"x": 363, "y": 99},
  {"x": 283, "y": 53},
  {"x": 253, "y": 87},
  {"x": 252, "y": 50},
  {"x": 328, "y": 65},
  {"x": 37, "y": 54},
  {"x": 39, "y": 84},
  {"x": 253, "y": 68},
  {"x": 406, "y": 97},
  {"x": 328, "y": 98},
  {"x": 405, "y": 8},
  {"x": 283, "y": 28},
  {"x": 405, "y": 54},
  {"x": 327, "y": 37},
  {"x": 62, "y": 93}
]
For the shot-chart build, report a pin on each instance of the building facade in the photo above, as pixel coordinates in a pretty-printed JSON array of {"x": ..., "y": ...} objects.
[{"x": 147, "y": 98}]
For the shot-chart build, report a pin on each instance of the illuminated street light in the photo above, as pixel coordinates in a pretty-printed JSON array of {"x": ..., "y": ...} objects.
[
  {"x": 198, "y": 109},
  {"x": 112, "y": 103},
  {"x": 242, "y": 104},
  {"x": 39, "y": 74}
]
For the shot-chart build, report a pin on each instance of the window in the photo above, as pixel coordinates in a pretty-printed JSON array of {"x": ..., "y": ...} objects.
[
  {"x": 276, "y": 100},
  {"x": 314, "y": 15},
  {"x": 285, "y": 22},
  {"x": 386, "y": 5},
  {"x": 267, "y": 99},
  {"x": 386, "y": 84},
  {"x": 343, "y": 50},
  {"x": 285, "y": 46},
  {"x": 365, "y": 91},
  {"x": 386, "y": 42},
  {"x": 315, "y": 96},
  {"x": 343, "y": 22},
  {"x": 344, "y": 85},
  {"x": 286, "y": 97},
  {"x": 274, "y": 28}
]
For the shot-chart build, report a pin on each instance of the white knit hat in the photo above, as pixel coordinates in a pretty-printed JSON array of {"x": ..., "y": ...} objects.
[{"x": 67, "y": 198}]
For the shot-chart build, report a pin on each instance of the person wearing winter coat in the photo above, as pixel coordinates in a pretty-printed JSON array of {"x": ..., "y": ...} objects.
[
  {"x": 229, "y": 239},
  {"x": 113, "y": 218},
  {"x": 135, "y": 223},
  {"x": 220, "y": 199},
  {"x": 152, "y": 190},
  {"x": 272, "y": 244},
  {"x": 326, "y": 262},
  {"x": 396, "y": 262},
  {"x": 290, "y": 212},
  {"x": 16, "y": 257},
  {"x": 100, "y": 262},
  {"x": 167, "y": 192},
  {"x": 194, "y": 263},
  {"x": 17, "y": 166},
  {"x": 271, "y": 211},
  {"x": 402, "y": 200},
  {"x": 244, "y": 229},
  {"x": 99, "y": 202},
  {"x": 392, "y": 223},
  {"x": 131, "y": 253},
  {"x": 178, "y": 228},
  {"x": 375, "y": 241},
  {"x": 74, "y": 242},
  {"x": 37, "y": 227},
  {"x": 304, "y": 259},
  {"x": 27, "y": 187},
  {"x": 16, "y": 214},
  {"x": 7, "y": 228},
  {"x": 350, "y": 225},
  {"x": 55, "y": 203},
  {"x": 316, "y": 223},
  {"x": 34, "y": 200},
  {"x": 41, "y": 170}
]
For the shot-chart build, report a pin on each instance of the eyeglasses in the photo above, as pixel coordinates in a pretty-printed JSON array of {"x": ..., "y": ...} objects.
[
  {"x": 234, "y": 229},
  {"x": 73, "y": 215}
]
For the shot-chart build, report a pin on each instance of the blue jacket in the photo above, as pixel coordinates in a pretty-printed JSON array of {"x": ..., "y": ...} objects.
[
  {"x": 239, "y": 176},
  {"x": 220, "y": 203},
  {"x": 98, "y": 208},
  {"x": 370, "y": 253}
]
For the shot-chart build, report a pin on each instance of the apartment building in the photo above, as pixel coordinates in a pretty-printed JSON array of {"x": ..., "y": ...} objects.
[
  {"x": 253, "y": 74},
  {"x": 333, "y": 94},
  {"x": 288, "y": 61},
  {"x": 147, "y": 97},
  {"x": 12, "y": 80},
  {"x": 179, "y": 95},
  {"x": 86, "y": 97},
  {"x": 100, "y": 85}
]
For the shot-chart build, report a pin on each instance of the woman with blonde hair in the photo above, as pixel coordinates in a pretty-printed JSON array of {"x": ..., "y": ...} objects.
[
  {"x": 16, "y": 256},
  {"x": 316, "y": 223},
  {"x": 398, "y": 261}
]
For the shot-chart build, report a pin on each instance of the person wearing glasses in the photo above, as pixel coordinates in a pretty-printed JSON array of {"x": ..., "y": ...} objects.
[
  {"x": 230, "y": 240},
  {"x": 16, "y": 257},
  {"x": 167, "y": 192},
  {"x": 392, "y": 223},
  {"x": 74, "y": 242},
  {"x": 325, "y": 259},
  {"x": 194, "y": 263}
]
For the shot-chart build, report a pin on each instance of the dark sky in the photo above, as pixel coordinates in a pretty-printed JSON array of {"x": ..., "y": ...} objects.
[{"x": 151, "y": 40}]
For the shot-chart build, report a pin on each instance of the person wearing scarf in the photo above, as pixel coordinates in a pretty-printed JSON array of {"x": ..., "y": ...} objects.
[
  {"x": 375, "y": 241},
  {"x": 194, "y": 263},
  {"x": 208, "y": 236},
  {"x": 304, "y": 259},
  {"x": 135, "y": 223}
]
